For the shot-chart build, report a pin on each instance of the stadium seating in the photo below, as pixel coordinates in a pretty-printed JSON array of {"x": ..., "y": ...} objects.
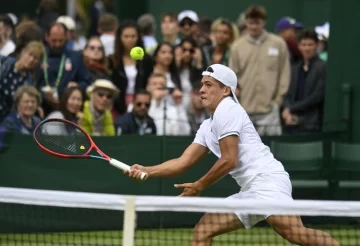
[{"x": 304, "y": 162}]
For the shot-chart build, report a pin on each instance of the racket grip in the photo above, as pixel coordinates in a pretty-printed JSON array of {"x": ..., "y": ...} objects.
[{"x": 124, "y": 167}]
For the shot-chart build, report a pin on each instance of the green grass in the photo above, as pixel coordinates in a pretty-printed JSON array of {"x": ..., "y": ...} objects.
[{"x": 165, "y": 237}]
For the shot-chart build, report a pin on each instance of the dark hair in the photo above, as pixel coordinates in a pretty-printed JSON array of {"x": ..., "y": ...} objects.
[
  {"x": 174, "y": 73},
  {"x": 256, "y": 12},
  {"x": 188, "y": 40},
  {"x": 7, "y": 21},
  {"x": 64, "y": 101},
  {"x": 141, "y": 92},
  {"x": 119, "y": 47},
  {"x": 309, "y": 34},
  {"x": 205, "y": 25}
]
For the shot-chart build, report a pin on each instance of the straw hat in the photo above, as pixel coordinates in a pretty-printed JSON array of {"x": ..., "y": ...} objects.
[{"x": 102, "y": 83}]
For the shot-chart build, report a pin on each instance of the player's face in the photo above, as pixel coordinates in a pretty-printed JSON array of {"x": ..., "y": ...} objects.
[
  {"x": 74, "y": 102},
  {"x": 211, "y": 93}
]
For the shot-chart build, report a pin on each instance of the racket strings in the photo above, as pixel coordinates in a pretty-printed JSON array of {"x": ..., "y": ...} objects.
[{"x": 62, "y": 138}]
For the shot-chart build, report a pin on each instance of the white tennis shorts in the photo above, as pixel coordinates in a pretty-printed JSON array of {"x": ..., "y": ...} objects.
[{"x": 269, "y": 186}]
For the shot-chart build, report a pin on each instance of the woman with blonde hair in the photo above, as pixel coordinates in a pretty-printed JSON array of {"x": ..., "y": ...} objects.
[
  {"x": 15, "y": 72},
  {"x": 224, "y": 33}
]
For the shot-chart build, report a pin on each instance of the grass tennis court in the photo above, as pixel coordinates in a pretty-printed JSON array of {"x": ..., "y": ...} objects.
[{"x": 166, "y": 237}]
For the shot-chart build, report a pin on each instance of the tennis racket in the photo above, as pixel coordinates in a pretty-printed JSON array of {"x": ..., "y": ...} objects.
[{"x": 65, "y": 139}]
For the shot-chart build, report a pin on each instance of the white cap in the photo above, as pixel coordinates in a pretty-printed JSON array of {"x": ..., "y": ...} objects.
[
  {"x": 224, "y": 75},
  {"x": 67, "y": 21},
  {"x": 192, "y": 15}
]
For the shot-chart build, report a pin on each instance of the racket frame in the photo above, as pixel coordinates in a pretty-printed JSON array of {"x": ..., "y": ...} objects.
[{"x": 86, "y": 155}]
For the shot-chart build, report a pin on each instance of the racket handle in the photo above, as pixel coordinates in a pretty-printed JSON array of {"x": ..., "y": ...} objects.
[{"x": 124, "y": 167}]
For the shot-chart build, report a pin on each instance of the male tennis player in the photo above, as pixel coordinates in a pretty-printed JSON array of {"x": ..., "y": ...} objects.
[{"x": 231, "y": 136}]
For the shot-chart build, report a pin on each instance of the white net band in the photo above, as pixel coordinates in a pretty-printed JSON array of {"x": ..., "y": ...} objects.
[{"x": 177, "y": 204}]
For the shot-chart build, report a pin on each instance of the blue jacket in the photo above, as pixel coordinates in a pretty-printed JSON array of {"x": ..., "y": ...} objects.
[
  {"x": 127, "y": 124},
  {"x": 74, "y": 70},
  {"x": 14, "y": 123}
]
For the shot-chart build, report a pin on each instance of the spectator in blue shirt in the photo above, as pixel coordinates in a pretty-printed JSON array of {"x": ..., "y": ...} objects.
[
  {"x": 61, "y": 68},
  {"x": 23, "y": 120},
  {"x": 15, "y": 72},
  {"x": 138, "y": 120}
]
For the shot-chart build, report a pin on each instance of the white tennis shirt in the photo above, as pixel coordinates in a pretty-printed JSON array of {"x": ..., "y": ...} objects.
[{"x": 254, "y": 158}]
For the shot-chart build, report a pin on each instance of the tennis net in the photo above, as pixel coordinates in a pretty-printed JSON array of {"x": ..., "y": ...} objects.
[{"x": 42, "y": 217}]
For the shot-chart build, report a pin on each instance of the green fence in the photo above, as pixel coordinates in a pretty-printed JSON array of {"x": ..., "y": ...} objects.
[{"x": 24, "y": 165}]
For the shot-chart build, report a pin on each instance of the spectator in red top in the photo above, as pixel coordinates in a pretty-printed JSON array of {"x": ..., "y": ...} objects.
[{"x": 287, "y": 28}]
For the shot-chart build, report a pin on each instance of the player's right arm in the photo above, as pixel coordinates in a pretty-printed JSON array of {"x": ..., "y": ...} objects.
[{"x": 172, "y": 167}]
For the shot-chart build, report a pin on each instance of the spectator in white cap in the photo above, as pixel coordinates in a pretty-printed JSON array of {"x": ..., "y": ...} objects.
[{"x": 188, "y": 23}]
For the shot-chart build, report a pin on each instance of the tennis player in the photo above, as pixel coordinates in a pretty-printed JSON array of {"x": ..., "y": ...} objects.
[{"x": 230, "y": 135}]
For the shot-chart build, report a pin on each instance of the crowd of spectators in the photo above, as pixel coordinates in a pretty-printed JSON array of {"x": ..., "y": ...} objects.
[{"x": 50, "y": 69}]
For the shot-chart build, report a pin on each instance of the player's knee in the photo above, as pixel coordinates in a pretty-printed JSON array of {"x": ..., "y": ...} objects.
[
  {"x": 294, "y": 235},
  {"x": 203, "y": 232}
]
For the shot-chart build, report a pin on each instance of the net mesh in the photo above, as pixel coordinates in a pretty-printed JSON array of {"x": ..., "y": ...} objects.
[
  {"x": 62, "y": 138},
  {"x": 37, "y": 217}
]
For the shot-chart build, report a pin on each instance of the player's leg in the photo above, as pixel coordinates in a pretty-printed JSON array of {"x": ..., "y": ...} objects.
[
  {"x": 292, "y": 229},
  {"x": 211, "y": 225}
]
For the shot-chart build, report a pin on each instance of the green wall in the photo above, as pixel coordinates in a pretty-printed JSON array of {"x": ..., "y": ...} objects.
[
  {"x": 343, "y": 65},
  {"x": 24, "y": 165}
]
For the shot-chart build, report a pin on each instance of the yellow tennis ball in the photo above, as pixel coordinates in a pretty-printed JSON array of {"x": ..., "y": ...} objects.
[
  {"x": 137, "y": 53},
  {"x": 82, "y": 147}
]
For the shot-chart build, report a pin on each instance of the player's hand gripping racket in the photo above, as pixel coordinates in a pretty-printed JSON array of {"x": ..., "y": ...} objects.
[{"x": 66, "y": 139}]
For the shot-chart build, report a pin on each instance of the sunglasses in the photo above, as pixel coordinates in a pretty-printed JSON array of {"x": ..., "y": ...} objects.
[
  {"x": 147, "y": 105},
  {"x": 102, "y": 94},
  {"x": 186, "y": 22},
  {"x": 93, "y": 48}
]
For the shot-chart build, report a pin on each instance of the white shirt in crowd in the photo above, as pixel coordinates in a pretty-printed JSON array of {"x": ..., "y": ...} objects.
[
  {"x": 55, "y": 129},
  {"x": 176, "y": 124},
  {"x": 186, "y": 87},
  {"x": 109, "y": 43},
  {"x": 8, "y": 48},
  {"x": 255, "y": 157}
]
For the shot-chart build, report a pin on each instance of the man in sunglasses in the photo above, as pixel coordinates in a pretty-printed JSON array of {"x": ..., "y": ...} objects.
[
  {"x": 231, "y": 136},
  {"x": 188, "y": 23},
  {"x": 138, "y": 120}
]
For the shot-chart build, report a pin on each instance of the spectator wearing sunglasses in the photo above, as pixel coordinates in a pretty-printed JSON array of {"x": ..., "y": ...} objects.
[
  {"x": 188, "y": 23},
  {"x": 95, "y": 60},
  {"x": 138, "y": 120},
  {"x": 97, "y": 119}
]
